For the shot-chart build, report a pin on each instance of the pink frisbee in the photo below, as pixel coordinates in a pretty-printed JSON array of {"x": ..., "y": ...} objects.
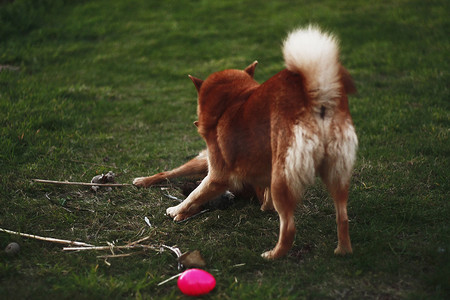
[{"x": 196, "y": 282}]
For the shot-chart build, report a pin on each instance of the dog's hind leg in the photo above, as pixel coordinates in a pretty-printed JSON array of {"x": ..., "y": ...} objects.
[
  {"x": 197, "y": 166},
  {"x": 284, "y": 203},
  {"x": 339, "y": 193},
  {"x": 336, "y": 174},
  {"x": 340, "y": 197}
]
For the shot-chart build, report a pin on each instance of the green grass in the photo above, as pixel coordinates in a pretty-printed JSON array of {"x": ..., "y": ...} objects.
[{"x": 93, "y": 86}]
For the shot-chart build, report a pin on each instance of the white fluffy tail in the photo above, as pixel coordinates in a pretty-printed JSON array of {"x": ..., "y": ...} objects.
[{"x": 315, "y": 55}]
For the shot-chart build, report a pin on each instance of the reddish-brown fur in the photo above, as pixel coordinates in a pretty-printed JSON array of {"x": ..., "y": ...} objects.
[
  {"x": 248, "y": 129},
  {"x": 196, "y": 167}
]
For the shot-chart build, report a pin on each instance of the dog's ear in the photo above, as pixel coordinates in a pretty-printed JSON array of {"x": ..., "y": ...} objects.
[
  {"x": 347, "y": 81},
  {"x": 197, "y": 82},
  {"x": 250, "y": 70}
]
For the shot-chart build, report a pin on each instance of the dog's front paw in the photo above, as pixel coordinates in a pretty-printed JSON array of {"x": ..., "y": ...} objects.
[
  {"x": 180, "y": 213},
  {"x": 175, "y": 213},
  {"x": 140, "y": 182},
  {"x": 172, "y": 211}
]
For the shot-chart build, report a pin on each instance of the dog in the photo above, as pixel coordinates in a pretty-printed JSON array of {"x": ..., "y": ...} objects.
[{"x": 276, "y": 137}]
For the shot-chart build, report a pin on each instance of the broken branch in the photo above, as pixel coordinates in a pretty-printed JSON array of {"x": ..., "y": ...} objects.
[
  {"x": 81, "y": 183},
  {"x": 139, "y": 241},
  {"x": 169, "y": 279},
  {"x": 47, "y": 239},
  {"x": 119, "y": 255},
  {"x": 110, "y": 247}
]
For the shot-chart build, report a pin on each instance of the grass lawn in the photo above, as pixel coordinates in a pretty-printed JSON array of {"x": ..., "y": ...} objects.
[{"x": 92, "y": 86}]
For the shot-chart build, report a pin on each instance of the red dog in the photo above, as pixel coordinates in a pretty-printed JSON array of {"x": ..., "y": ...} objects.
[{"x": 276, "y": 136}]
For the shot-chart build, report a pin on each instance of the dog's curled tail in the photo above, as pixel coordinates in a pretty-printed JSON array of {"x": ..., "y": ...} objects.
[{"x": 315, "y": 54}]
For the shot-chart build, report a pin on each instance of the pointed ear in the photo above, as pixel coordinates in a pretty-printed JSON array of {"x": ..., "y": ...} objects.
[
  {"x": 250, "y": 70},
  {"x": 197, "y": 82},
  {"x": 196, "y": 123},
  {"x": 347, "y": 81}
]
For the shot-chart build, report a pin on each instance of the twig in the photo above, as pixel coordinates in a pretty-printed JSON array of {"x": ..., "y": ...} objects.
[
  {"x": 193, "y": 216},
  {"x": 177, "y": 253},
  {"x": 133, "y": 245},
  {"x": 148, "y": 222},
  {"x": 47, "y": 239},
  {"x": 111, "y": 247},
  {"x": 138, "y": 246},
  {"x": 81, "y": 183},
  {"x": 173, "y": 197},
  {"x": 119, "y": 255},
  {"x": 80, "y": 246},
  {"x": 238, "y": 265},
  {"x": 169, "y": 279},
  {"x": 139, "y": 241},
  {"x": 175, "y": 250}
]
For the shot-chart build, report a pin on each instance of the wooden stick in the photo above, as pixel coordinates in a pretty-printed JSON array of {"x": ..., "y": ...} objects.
[
  {"x": 139, "y": 241},
  {"x": 169, "y": 279},
  {"x": 110, "y": 247},
  {"x": 120, "y": 255},
  {"x": 47, "y": 239},
  {"x": 80, "y": 183}
]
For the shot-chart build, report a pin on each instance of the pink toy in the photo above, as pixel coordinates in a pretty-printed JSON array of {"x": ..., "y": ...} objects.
[{"x": 196, "y": 282}]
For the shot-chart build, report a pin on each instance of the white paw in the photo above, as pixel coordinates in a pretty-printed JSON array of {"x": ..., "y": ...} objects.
[
  {"x": 138, "y": 181},
  {"x": 173, "y": 211}
]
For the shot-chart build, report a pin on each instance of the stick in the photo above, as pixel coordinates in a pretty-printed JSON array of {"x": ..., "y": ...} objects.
[
  {"x": 238, "y": 265},
  {"x": 80, "y": 183},
  {"x": 173, "y": 197},
  {"x": 138, "y": 241},
  {"x": 193, "y": 216},
  {"x": 169, "y": 279},
  {"x": 47, "y": 239},
  {"x": 120, "y": 255},
  {"x": 132, "y": 245},
  {"x": 177, "y": 253},
  {"x": 110, "y": 247}
]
